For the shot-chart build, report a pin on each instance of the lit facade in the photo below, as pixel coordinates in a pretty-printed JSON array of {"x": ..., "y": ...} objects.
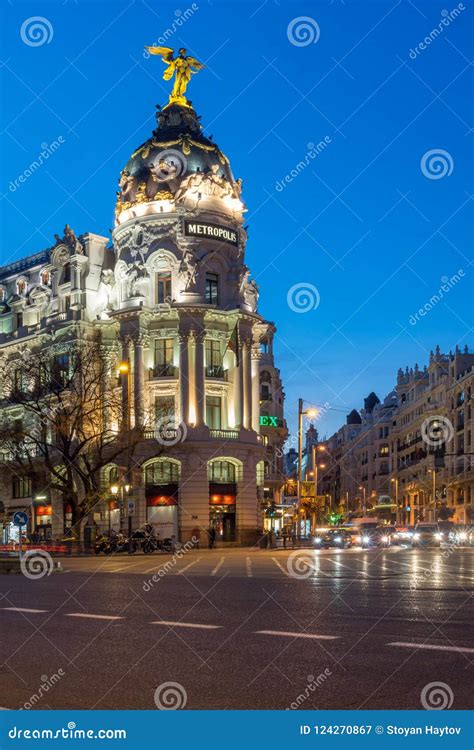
[{"x": 176, "y": 311}]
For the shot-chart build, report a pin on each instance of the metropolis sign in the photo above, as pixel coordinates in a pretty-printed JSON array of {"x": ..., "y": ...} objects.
[{"x": 213, "y": 231}]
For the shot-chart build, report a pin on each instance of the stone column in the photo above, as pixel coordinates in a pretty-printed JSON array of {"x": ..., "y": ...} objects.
[
  {"x": 247, "y": 384},
  {"x": 138, "y": 381},
  {"x": 255, "y": 372},
  {"x": 199, "y": 381},
  {"x": 184, "y": 376},
  {"x": 238, "y": 392},
  {"x": 126, "y": 384}
]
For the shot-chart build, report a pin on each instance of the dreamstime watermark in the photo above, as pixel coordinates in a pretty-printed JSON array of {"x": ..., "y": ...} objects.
[
  {"x": 436, "y": 696},
  {"x": 311, "y": 686},
  {"x": 181, "y": 17},
  {"x": 168, "y": 432},
  {"x": 314, "y": 149},
  {"x": 303, "y": 297},
  {"x": 169, "y": 564},
  {"x": 303, "y": 31},
  {"x": 301, "y": 564},
  {"x": 47, "y": 150},
  {"x": 71, "y": 732},
  {"x": 169, "y": 165},
  {"x": 427, "y": 575},
  {"x": 448, "y": 16},
  {"x": 46, "y": 684},
  {"x": 436, "y": 164},
  {"x": 170, "y": 696},
  {"x": 36, "y": 31},
  {"x": 36, "y": 564},
  {"x": 446, "y": 286},
  {"x": 437, "y": 430}
]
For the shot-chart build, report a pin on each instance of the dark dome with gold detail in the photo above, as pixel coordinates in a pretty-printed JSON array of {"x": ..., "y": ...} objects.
[{"x": 175, "y": 163}]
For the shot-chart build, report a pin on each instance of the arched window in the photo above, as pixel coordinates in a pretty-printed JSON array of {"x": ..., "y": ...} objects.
[
  {"x": 162, "y": 472},
  {"x": 222, "y": 471}
]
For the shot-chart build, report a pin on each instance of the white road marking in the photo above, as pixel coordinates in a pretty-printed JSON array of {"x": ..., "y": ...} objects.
[
  {"x": 186, "y": 567},
  {"x": 93, "y": 617},
  {"x": 123, "y": 567},
  {"x": 430, "y": 647},
  {"x": 317, "y": 636},
  {"x": 280, "y": 566},
  {"x": 24, "y": 609},
  {"x": 186, "y": 625},
  {"x": 217, "y": 566},
  {"x": 249, "y": 568}
]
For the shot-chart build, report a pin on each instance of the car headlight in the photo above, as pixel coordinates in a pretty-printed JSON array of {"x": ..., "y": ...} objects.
[
  {"x": 416, "y": 536},
  {"x": 358, "y": 539},
  {"x": 395, "y": 536},
  {"x": 385, "y": 539},
  {"x": 438, "y": 536},
  {"x": 366, "y": 539},
  {"x": 462, "y": 536},
  {"x": 318, "y": 540},
  {"x": 338, "y": 538}
]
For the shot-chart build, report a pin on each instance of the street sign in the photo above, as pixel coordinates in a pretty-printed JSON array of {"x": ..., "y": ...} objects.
[
  {"x": 131, "y": 507},
  {"x": 20, "y": 518}
]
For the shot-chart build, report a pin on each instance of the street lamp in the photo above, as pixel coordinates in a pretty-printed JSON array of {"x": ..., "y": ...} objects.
[
  {"x": 123, "y": 489},
  {"x": 433, "y": 472},
  {"x": 124, "y": 370},
  {"x": 395, "y": 480},
  {"x": 309, "y": 413}
]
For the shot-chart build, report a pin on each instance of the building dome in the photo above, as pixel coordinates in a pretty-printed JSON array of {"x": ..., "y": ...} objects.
[{"x": 177, "y": 167}]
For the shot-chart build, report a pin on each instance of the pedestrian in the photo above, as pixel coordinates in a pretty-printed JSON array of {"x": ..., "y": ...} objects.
[
  {"x": 211, "y": 535},
  {"x": 196, "y": 536}
]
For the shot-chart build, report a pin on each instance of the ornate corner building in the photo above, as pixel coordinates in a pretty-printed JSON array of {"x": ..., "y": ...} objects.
[{"x": 176, "y": 312}]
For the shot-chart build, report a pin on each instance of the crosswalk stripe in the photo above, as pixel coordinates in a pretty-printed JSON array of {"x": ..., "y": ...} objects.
[
  {"x": 186, "y": 567},
  {"x": 280, "y": 566},
  {"x": 249, "y": 568},
  {"x": 213, "y": 573}
]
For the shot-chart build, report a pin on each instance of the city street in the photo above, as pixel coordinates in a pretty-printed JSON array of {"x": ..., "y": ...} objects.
[{"x": 242, "y": 629}]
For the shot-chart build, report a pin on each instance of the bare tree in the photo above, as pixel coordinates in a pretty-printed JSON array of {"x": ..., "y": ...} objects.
[{"x": 62, "y": 415}]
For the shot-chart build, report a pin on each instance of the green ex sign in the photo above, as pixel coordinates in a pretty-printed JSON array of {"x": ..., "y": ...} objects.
[{"x": 268, "y": 422}]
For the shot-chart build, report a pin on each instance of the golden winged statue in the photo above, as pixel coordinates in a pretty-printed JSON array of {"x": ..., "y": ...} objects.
[{"x": 181, "y": 67}]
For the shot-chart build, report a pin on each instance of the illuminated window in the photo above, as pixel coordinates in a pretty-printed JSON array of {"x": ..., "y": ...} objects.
[
  {"x": 213, "y": 412},
  {"x": 164, "y": 351},
  {"x": 213, "y": 352},
  {"x": 163, "y": 289},
  {"x": 162, "y": 472},
  {"x": 221, "y": 471},
  {"x": 164, "y": 410}
]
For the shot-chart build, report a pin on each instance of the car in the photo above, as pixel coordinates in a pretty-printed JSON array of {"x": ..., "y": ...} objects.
[
  {"x": 426, "y": 535},
  {"x": 380, "y": 536},
  {"x": 405, "y": 534},
  {"x": 449, "y": 531},
  {"x": 335, "y": 538},
  {"x": 355, "y": 535}
]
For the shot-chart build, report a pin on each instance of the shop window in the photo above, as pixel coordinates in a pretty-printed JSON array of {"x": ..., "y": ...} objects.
[
  {"x": 213, "y": 412},
  {"x": 163, "y": 288},
  {"x": 21, "y": 487},
  {"x": 212, "y": 288}
]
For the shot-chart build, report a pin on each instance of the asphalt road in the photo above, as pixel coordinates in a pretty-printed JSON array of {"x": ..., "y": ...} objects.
[{"x": 241, "y": 629}]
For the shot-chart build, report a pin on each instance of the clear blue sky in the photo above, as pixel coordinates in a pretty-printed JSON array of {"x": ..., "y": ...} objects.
[{"x": 361, "y": 222}]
